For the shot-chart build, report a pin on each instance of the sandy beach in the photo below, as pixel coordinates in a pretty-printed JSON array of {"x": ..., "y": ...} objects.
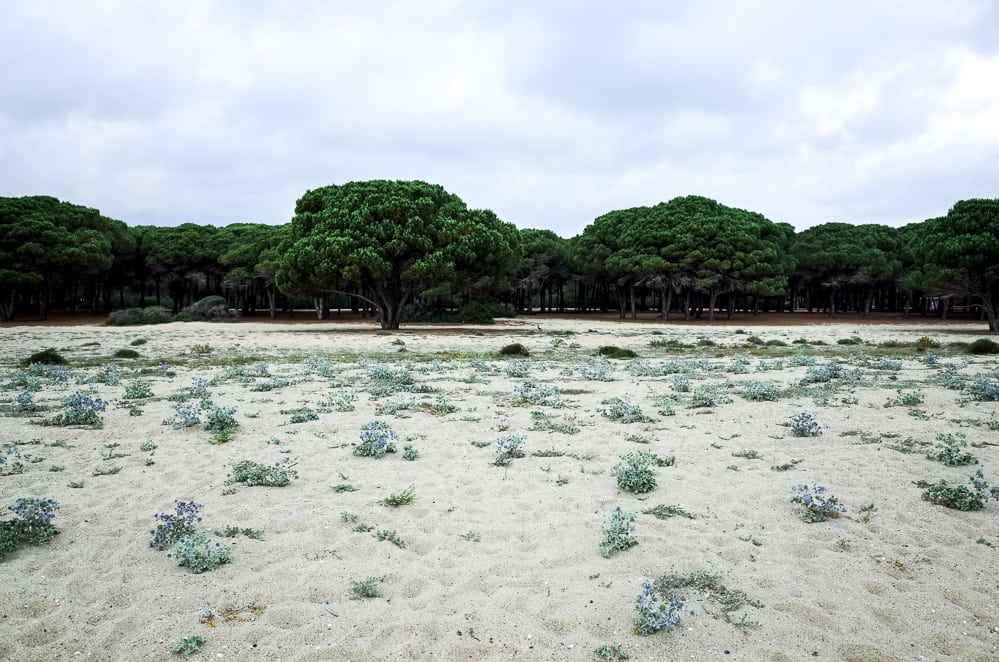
[{"x": 504, "y": 563}]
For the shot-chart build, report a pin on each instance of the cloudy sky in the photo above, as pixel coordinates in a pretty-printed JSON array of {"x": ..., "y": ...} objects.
[{"x": 549, "y": 113}]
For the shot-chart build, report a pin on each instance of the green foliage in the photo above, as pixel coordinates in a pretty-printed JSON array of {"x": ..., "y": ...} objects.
[
  {"x": 617, "y": 532},
  {"x": 635, "y": 473},
  {"x": 366, "y": 588},
  {"x": 612, "y": 652},
  {"x": 514, "y": 349},
  {"x": 387, "y": 241},
  {"x": 959, "y": 497},
  {"x": 252, "y": 473},
  {"x": 195, "y": 552},
  {"x": 138, "y": 316},
  {"x": 126, "y": 354},
  {"x": 32, "y": 524},
  {"x": 983, "y": 346},
  {"x": 622, "y": 411},
  {"x": 662, "y": 511},
  {"x": 45, "y": 357},
  {"x": 377, "y": 439},
  {"x": 188, "y": 645},
  {"x": 210, "y": 309},
  {"x": 948, "y": 450},
  {"x": 137, "y": 390},
  {"x": 385, "y": 534},
  {"x": 612, "y": 352},
  {"x": 404, "y": 498}
]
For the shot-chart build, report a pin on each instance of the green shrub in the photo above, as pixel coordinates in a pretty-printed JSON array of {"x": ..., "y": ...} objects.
[
  {"x": 126, "y": 354},
  {"x": 196, "y": 552},
  {"x": 136, "y": 316},
  {"x": 32, "y": 526},
  {"x": 210, "y": 309},
  {"x": 635, "y": 473},
  {"x": 45, "y": 357},
  {"x": 612, "y": 352},
  {"x": 514, "y": 349},
  {"x": 983, "y": 346}
]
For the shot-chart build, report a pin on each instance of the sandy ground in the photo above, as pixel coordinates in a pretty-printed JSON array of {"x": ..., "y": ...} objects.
[{"x": 504, "y": 563}]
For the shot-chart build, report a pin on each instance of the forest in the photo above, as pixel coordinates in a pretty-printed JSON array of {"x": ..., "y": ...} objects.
[{"x": 411, "y": 251}]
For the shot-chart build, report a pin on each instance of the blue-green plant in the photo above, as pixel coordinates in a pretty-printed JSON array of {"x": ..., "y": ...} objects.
[
  {"x": 611, "y": 652},
  {"x": 760, "y": 391},
  {"x": 32, "y": 524},
  {"x": 81, "y": 409},
  {"x": 804, "y": 424},
  {"x": 635, "y": 473},
  {"x": 188, "y": 415},
  {"x": 531, "y": 393},
  {"x": 618, "y": 530},
  {"x": 188, "y": 645},
  {"x": 221, "y": 422},
  {"x": 657, "y": 613},
  {"x": 598, "y": 370},
  {"x": 507, "y": 450},
  {"x": 137, "y": 390},
  {"x": 518, "y": 368},
  {"x": 171, "y": 527},
  {"x": 199, "y": 554},
  {"x": 409, "y": 453},
  {"x": 251, "y": 473},
  {"x": 11, "y": 460},
  {"x": 622, "y": 411},
  {"x": 385, "y": 534},
  {"x": 24, "y": 403},
  {"x": 377, "y": 439},
  {"x": 680, "y": 383},
  {"x": 816, "y": 506}
]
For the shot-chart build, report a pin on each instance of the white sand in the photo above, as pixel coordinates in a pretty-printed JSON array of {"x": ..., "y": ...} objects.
[{"x": 911, "y": 583}]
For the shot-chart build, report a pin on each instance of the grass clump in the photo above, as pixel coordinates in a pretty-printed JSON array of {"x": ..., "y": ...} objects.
[
  {"x": 617, "y": 532},
  {"x": 45, "y": 357},
  {"x": 613, "y": 352},
  {"x": 252, "y": 473},
  {"x": 662, "y": 511},
  {"x": 983, "y": 346},
  {"x": 514, "y": 349}
]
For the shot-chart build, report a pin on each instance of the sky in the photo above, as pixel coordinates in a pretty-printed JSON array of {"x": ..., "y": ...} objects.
[{"x": 549, "y": 113}]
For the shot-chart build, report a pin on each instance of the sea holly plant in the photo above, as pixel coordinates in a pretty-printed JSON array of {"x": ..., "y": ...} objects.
[
  {"x": 618, "y": 530},
  {"x": 656, "y": 613},
  {"x": 31, "y": 526},
  {"x": 377, "y": 439},
  {"x": 816, "y": 506},
  {"x": 635, "y": 474},
  {"x": 507, "y": 450},
  {"x": 171, "y": 527},
  {"x": 959, "y": 497},
  {"x": 804, "y": 425},
  {"x": 81, "y": 409}
]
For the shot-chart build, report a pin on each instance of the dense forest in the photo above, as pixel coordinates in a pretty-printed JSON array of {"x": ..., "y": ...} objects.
[{"x": 412, "y": 251}]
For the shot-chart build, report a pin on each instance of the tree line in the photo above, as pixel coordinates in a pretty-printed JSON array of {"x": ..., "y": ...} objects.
[{"x": 412, "y": 250}]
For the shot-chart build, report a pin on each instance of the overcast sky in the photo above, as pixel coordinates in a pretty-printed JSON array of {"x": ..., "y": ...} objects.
[{"x": 548, "y": 113}]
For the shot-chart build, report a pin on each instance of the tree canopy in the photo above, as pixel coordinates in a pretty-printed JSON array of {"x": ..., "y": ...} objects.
[{"x": 386, "y": 241}]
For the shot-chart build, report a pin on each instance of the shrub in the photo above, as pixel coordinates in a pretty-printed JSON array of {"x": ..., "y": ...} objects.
[
  {"x": 656, "y": 613},
  {"x": 45, "y": 357},
  {"x": 815, "y": 506},
  {"x": 126, "y": 354},
  {"x": 174, "y": 526},
  {"x": 252, "y": 473},
  {"x": 377, "y": 439},
  {"x": 635, "y": 473},
  {"x": 805, "y": 425},
  {"x": 760, "y": 391},
  {"x": 137, "y": 316},
  {"x": 924, "y": 343},
  {"x": 514, "y": 349},
  {"x": 507, "y": 450},
  {"x": 210, "y": 309},
  {"x": 623, "y": 411},
  {"x": 196, "y": 552},
  {"x": 617, "y": 532},
  {"x": 959, "y": 497},
  {"x": 81, "y": 409},
  {"x": 31, "y": 526},
  {"x": 949, "y": 450},
  {"x": 612, "y": 352},
  {"x": 983, "y": 346}
]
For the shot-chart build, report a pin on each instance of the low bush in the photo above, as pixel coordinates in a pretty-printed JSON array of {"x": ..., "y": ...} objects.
[
  {"x": 514, "y": 349},
  {"x": 983, "y": 346},
  {"x": 612, "y": 352},
  {"x": 45, "y": 357},
  {"x": 137, "y": 316}
]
